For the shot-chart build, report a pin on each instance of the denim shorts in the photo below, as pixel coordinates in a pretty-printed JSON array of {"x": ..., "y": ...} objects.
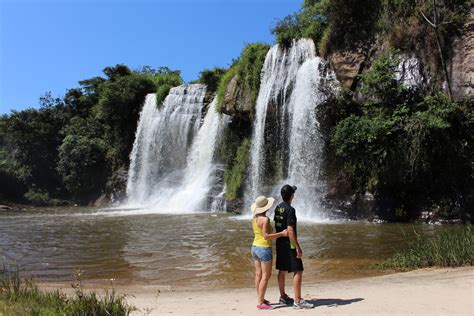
[{"x": 261, "y": 254}]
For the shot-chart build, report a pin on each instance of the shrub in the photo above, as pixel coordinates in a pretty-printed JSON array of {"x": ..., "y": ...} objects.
[
  {"x": 82, "y": 159},
  {"x": 310, "y": 22},
  {"x": 447, "y": 248},
  {"x": 211, "y": 78},
  {"x": 379, "y": 83},
  {"x": 24, "y": 298},
  {"x": 165, "y": 79},
  {"x": 351, "y": 24},
  {"x": 37, "y": 197}
]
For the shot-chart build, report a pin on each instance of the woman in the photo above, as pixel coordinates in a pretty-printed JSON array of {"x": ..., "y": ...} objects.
[{"x": 262, "y": 247}]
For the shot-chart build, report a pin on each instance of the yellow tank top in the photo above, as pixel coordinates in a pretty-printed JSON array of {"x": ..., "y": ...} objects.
[{"x": 259, "y": 240}]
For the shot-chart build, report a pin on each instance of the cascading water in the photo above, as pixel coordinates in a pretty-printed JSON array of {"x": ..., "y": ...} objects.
[
  {"x": 287, "y": 145},
  {"x": 172, "y": 168}
]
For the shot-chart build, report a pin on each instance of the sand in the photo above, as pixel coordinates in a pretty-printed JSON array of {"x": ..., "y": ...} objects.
[{"x": 420, "y": 292}]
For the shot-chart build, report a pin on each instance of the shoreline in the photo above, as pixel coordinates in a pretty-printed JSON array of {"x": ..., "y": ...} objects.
[{"x": 433, "y": 291}]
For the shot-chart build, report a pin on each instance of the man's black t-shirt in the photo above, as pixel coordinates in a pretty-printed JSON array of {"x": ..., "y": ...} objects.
[
  {"x": 285, "y": 215},
  {"x": 286, "y": 255}
]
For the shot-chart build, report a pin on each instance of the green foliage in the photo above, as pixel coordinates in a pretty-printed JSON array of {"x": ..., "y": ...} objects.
[
  {"x": 38, "y": 197},
  {"x": 119, "y": 106},
  {"x": 211, "y": 78},
  {"x": 223, "y": 84},
  {"x": 332, "y": 24},
  {"x": 401, "y": 143},
  {"x": 310, "y": 22},
  {"x": 247, "y": 69},
  {"x": 82, "y": 159},
  {"x": 380, "y": 82},
  {"x": 351, "y": 24},
  {"x": 24, "y": 298},
  {"x": 447, "y": 248},
  {"x": 164, "y": 79},
  {"x": 29, "y": 140},
  {"x": 161, "y": 93},
  {"x": 234, "y": 175},
  {"x": 70, "y": 147}
]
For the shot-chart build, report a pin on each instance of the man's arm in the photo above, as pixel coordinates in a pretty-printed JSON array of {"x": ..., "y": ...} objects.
[{"x": 294, "y": 240}]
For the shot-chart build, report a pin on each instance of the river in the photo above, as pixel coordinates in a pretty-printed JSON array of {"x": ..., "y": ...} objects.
[{"x": 180, "y": 251}]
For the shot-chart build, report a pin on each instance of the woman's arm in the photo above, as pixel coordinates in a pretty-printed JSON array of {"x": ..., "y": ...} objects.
[{"x": 266, "y": 230}]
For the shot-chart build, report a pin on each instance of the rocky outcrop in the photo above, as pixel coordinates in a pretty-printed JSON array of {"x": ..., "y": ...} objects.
[
  {"x": 348, "y": 66},
  {"x": 236, "y": 101},
  {"x": 461, "y": 67},
  {"x": 410, "y": 72}
]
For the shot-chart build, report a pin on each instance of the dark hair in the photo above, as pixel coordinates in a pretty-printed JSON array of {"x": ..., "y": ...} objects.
[{"x": 287, "y": 192}]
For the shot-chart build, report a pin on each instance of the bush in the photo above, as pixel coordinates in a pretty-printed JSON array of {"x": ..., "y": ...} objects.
[
  {"x": 211, "y": 78},
  {"x": 351, "y": 24},
  {"x": 82, "y": 160},
  {"x": 165, "y": 79},
  {"x": 24, "y": 298},
  {"x": 37, "y": 197},
  {"x": 447, "y": 248},
  {"x": 310, "y": 22},
  {"x": 380, "y": 83}
]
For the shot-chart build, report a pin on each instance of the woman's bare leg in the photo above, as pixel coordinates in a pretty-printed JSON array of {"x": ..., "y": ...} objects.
[
  {"x": 266, "y": 274},
  {"x": 258, "y": 276}
]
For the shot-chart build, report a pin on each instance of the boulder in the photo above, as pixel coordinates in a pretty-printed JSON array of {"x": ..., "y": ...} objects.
[{"x": 236, "y": 101}]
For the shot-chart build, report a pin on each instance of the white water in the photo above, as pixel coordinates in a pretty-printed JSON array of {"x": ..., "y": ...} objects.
[
  {"x": 290, "y": 91},
  {"x": 172, "y": 168}
]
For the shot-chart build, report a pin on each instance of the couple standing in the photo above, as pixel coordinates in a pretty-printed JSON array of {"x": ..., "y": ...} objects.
[{"x": 288, "y": 250}]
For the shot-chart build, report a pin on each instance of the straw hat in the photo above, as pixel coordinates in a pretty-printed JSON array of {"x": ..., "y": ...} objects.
[{"x": 262, "y": 204}]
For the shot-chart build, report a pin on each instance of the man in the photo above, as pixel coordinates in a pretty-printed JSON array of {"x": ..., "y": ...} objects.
[{"x": 288, "y": 250}]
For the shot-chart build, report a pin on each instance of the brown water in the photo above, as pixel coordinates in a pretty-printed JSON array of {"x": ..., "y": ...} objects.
[{"x": 194, "y": 250}]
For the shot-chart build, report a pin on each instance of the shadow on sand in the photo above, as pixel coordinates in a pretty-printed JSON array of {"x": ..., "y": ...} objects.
[{"x": 329, "y": 302}]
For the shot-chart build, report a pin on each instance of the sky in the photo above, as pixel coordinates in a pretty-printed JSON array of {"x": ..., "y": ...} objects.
[{"x": 49, "y": 45}]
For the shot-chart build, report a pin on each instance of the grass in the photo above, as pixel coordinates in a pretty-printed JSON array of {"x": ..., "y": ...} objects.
[
  {"x": 234, "y": 175},
  {"x": 447, "y": 248},
  {"x": 22, "y": 297}
]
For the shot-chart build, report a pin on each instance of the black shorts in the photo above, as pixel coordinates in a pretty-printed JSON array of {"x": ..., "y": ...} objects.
[{"x": 286, "y": 258}]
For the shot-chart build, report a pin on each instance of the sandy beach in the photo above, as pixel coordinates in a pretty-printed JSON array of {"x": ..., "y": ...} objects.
[{"x": 420, "y": 292}]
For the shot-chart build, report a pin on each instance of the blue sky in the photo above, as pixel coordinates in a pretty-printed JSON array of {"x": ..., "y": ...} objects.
[{"x": 49, "y": 45}]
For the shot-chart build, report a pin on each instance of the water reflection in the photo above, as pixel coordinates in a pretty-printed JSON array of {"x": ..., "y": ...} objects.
[{"x": 192, "y": 250}]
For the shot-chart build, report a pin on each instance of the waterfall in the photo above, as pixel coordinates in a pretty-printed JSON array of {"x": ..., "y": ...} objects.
[
  {"x": 287, "y": 145},
  {"x": 172, "y": 166}
]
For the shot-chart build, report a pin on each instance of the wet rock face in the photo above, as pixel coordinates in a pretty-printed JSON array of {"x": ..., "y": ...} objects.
[
  {"x": 462, "y": 64},
  {"x": 236, "y": 101}
]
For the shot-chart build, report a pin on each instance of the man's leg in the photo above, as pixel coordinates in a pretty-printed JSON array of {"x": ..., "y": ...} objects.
[
  {"x": 281, "y": 283},
  {"x": 297, "y": 279}
]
